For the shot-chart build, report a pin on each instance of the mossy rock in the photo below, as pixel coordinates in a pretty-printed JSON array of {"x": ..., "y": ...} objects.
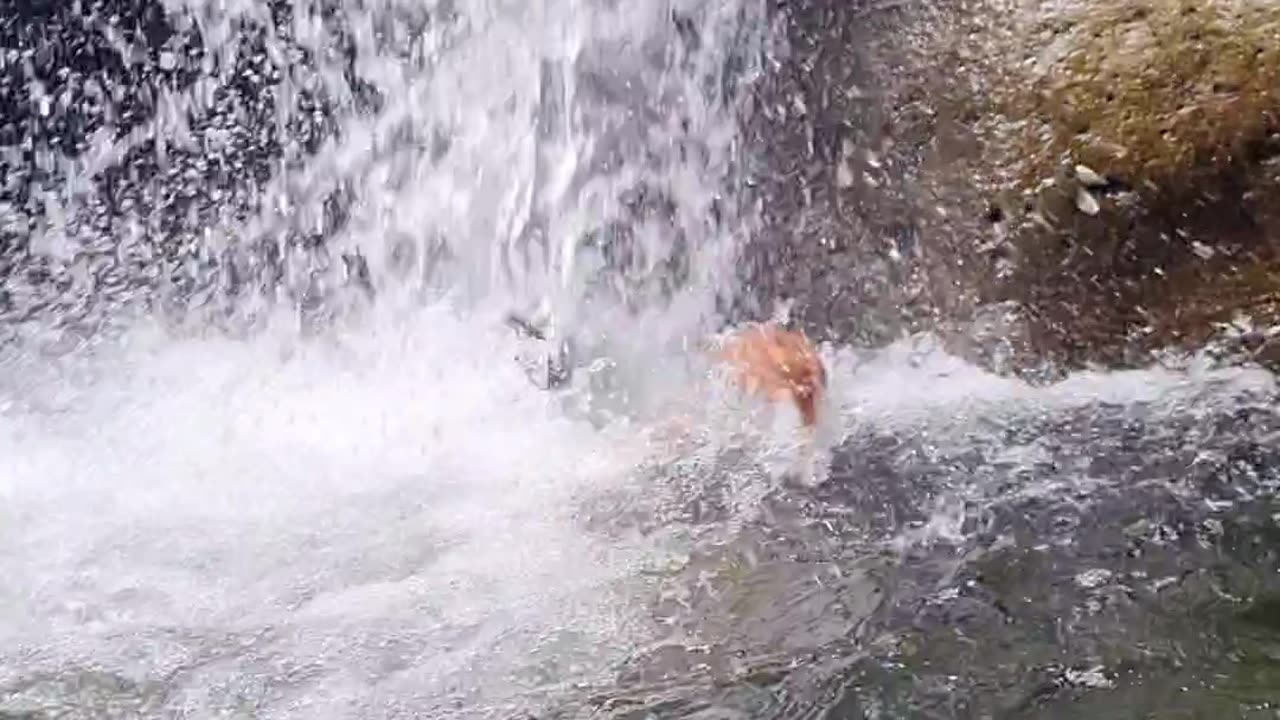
[
  {"x": 1112, "y": 168},
  {"x": 1162, "y": 95}
]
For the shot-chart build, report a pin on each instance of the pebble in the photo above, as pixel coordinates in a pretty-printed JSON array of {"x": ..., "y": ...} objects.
[
  {"x": 1093, "y": 578},
  {"x": 1091, "y": 678},
  {"x": 1086, "y": 202},
  {"x": 1089, "y": 178}
]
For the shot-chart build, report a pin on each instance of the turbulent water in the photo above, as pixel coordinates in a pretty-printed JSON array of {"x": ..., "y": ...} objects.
[{"x": 270, "y": 450}]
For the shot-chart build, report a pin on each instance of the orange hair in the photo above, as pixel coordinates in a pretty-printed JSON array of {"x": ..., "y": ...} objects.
[{"x": 778, "y": 364}]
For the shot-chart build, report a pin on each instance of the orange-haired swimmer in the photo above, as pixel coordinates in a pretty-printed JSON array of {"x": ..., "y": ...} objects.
[
  {"x": 762, "y": 359},
  {"x": 779, "y": 365}
]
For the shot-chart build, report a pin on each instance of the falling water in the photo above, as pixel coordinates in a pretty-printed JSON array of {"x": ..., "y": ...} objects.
[{"x": 268, "y": 450}]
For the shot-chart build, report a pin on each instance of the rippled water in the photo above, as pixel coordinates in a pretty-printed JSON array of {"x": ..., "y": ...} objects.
[{"x": 269, "y": 449}]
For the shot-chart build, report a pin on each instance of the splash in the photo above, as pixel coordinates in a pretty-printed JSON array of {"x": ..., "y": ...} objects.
[
  {"x": 268, "y": 449},
  {"x": 366, "y": 517}
]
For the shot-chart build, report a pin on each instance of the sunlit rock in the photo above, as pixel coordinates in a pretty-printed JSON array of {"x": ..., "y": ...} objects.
[{"x": 1125, "y": 155}]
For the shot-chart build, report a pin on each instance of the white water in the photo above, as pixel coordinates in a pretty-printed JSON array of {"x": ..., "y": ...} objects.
[
  {"x": 387, "y": 526},
  {"x": 396, "y": 523},
  {"x": 382, "y": 521}
]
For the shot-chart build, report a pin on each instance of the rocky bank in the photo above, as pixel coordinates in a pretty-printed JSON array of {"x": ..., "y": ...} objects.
[{"x": 1048, "y": 184}]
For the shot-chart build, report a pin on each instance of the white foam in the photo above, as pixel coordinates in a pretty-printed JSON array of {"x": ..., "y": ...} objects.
[
  {"x": 383, "y": 522},
  {"x": 914, "y": 381},
  {"x": 415, "y": 484}
]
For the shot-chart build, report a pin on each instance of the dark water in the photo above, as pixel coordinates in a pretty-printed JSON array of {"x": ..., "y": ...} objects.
[{"x": 1116, "y": 559}]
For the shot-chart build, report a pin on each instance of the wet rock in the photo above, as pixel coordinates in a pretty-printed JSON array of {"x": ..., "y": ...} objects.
[
  {"x": 838, "y": 235},
  {"x": 1103, "y": 592},
  {"x": 1111, "y": 171},
  {"x": 1132, "y": 151}
]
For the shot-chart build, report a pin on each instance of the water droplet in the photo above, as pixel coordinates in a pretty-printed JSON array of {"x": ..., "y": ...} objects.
[
  {"x": 1093, "y": 578},
  {"x": 844, "y": 176}
]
